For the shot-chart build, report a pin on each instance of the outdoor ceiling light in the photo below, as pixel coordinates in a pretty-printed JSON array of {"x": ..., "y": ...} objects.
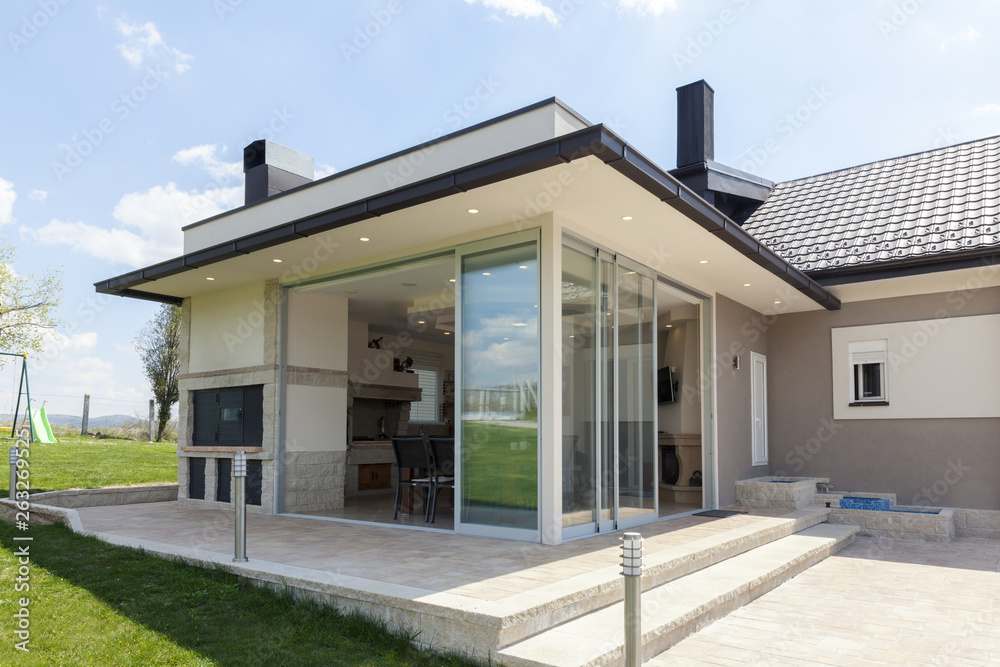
[
  {"x": 519, "y": 324},
  {"x": 364, "y": 239},
  {"x": 209, "y": 278},
  {"x": 486, "y": 273},
  {"x": 421, "y": 322},
  {"x": 523, "y": 266},
  {"x": 451, "y": 280},
  {"x": 447, "y": 333},
  {"x": 703, "y": 261},
  {"x": 746, "y": 284},
  {"x": 276, "y": 261},
  {"x": 626, "y": 218},
  {"x": 669, "y": 326},
  {"x": 777, "y": 302},
  {"x": 473, "y": 210}
]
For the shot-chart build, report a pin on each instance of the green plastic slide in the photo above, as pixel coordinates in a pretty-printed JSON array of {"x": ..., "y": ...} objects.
[{"x": 40, "y": 424}]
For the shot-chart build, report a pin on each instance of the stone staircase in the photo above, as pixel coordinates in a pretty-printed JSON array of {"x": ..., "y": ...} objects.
[{"x": 684, "y": 589}]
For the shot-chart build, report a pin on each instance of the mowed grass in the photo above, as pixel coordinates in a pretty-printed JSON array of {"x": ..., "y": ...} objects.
[
  {"x": 97, "y": 604},
  {"x": 82, "y": 462},
  {"x": 500, "y": 465}
]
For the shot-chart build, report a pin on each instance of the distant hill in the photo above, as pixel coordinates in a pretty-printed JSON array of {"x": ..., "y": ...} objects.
[{"x": 74, "y": 421}]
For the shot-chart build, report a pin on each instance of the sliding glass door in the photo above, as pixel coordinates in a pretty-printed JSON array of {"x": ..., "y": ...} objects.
[
  {"x": 609, "y": 407},
  {"x": 499, "y": 370}
]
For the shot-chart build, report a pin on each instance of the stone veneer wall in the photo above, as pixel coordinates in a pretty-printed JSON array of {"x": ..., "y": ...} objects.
[
  {"x": 314, "y": 481},
  {"x": 265, "y": 374}
]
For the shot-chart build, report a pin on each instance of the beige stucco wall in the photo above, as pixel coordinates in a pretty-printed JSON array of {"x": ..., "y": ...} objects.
[
  {"x": 935, "y": 368},
  {"x": 930, "y": 461},
  {"x": 227, "y": 329},
  {"x": 738, "y": 332}
]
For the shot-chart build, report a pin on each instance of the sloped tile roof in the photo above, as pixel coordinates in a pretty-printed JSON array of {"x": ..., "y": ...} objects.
[{"x": 932, "y": 203}]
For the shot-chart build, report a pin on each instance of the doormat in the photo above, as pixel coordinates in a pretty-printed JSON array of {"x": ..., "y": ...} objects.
[{"x": 718, "y": 514}]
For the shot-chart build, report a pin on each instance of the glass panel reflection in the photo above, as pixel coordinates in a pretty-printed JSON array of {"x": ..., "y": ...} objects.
[{"x": 499, "y": 402}]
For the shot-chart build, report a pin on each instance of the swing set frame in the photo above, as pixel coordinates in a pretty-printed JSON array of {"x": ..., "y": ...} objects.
[{"x": 22, "y": 390}]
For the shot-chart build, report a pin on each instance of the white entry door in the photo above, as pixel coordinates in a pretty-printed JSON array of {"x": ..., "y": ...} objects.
[{"x": 758, "y": 412}]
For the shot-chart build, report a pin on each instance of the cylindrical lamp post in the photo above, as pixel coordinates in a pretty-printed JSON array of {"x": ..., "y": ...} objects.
[
  {"x": 632, "y": 571},
  {"x": 240, "y": 502},
  {"x": 13, "y": 471}
]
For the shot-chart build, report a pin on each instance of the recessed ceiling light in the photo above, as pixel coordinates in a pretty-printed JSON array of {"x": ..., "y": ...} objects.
[
  {"x": 669, "y": 326},
  {"x": 473, "y": 210},
  {"x": 351, "y": 291},
  {"x": 626, "y": 218},
  {"x": 209, "y": 278},
  {"x": 572, "y": 336},
  {"x": 447, "y": 333},
  {"x": 630, "y": 273},
  {"x": 486, "y": 273},
  {"x": 409, "y": 284},
  {"x": 421, "y": 322},
  {"x": 451, "y": 280},
  {"x": 703, "y": 261},
  {"x": 746, "y": 284},
  {"x": 777, "y": 301},
  {"x": 364, "y": 239},
  {"x": 276, "y": 261}
]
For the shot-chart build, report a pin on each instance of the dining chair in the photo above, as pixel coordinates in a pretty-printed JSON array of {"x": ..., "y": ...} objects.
[
  {"x": 443, "y": 477},
  {"x": 411, "y": 452}
]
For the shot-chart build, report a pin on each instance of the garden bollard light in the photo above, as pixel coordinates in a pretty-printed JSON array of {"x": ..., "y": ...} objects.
[
  {"x": 240, "y": 501},
  {"x": 13, "y": 471},
  {"x": 632, "y": 570}
]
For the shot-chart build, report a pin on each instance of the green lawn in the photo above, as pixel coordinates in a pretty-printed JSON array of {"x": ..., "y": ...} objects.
[
  {"x": 500, "y": 465},
  {"x": 79, "y": 462},
  {"x": 97, "y": 604}
]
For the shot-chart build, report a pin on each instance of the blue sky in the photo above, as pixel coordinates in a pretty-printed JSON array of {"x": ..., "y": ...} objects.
[{"x": 126, "y": 120}]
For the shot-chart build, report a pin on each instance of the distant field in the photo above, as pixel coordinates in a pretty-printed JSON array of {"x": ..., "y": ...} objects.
[{"x": 79, "y": 462}]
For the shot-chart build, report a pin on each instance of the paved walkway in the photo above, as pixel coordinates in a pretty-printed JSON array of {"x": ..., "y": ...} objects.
[
  {"x": 475, "y": 567},
  {"x": 877, "y": 602}
]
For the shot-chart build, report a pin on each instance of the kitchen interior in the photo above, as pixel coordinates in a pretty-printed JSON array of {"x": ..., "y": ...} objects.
[{"x": 401, "y": 366}]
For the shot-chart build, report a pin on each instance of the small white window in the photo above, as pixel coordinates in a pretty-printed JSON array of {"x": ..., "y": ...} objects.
[{"x": 868, "y": 379}]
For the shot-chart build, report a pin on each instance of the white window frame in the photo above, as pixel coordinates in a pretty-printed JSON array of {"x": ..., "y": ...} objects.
[{"x": 860, "y": 354}]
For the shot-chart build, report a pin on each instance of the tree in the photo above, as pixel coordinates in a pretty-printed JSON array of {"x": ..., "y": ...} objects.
[
  {"x": 158, "y": 344},
  {"x": 27, "y": 305}
]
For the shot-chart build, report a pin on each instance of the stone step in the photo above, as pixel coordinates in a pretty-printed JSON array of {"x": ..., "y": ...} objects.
[
  {"x": 528, "y": 614},
  {"x": 672, "y": 611}
]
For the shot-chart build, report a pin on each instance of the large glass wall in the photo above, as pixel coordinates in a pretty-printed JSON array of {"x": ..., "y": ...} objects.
[{"x": 499, "y": 400}]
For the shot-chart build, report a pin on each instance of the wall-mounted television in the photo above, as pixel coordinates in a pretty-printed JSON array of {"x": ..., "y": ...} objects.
[{"x": 665, "y": 385}]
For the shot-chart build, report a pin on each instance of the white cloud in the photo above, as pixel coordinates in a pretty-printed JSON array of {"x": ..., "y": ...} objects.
[
  {"x": 322, "y": 171},
  {"x": 969, "y": 35},
  {"x": 38, "y": 195},
  {"x": 986, "y": 109},
  {"x": 7, "y": 199},
  {"x": 204, "y": 156},
  {"x": 144, "y": 42},
  {"x": 150, "y": 225},
  {"x": 522, "y": 8},
  {"x": 644, "y": 7}
]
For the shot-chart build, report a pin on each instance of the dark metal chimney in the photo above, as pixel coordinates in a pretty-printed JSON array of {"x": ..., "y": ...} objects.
[
  {"x": 271, "y": 169},
  {"x": 695, "y": 124}
]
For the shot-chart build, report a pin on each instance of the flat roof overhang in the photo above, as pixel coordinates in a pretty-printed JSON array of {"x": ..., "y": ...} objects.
[{"x": 508, "y": 189}]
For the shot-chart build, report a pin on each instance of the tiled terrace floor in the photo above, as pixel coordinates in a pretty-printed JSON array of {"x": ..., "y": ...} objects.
[
  {"x": 480, "y": 568},
  {"x": 877, "y": 602}
]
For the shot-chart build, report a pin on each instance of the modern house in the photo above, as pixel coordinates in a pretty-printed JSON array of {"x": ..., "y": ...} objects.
[{"x": 610, "y": 342}]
